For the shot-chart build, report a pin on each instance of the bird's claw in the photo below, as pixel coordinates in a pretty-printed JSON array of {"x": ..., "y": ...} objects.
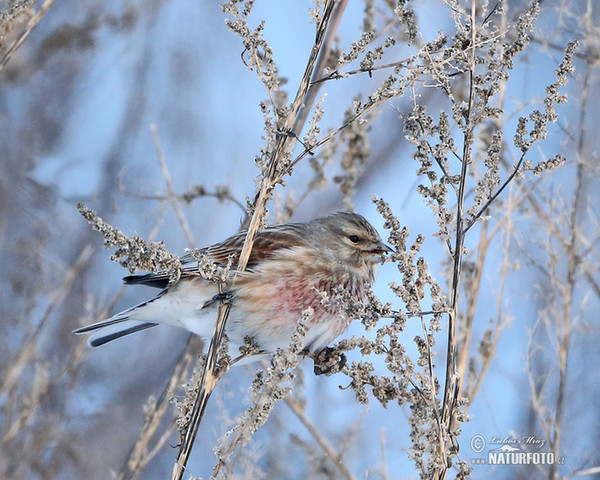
[
  {"x": 328, "y": 361},
  {"x": 223, "y": 297}
]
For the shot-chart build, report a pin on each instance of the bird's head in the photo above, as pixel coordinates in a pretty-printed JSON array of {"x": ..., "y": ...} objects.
[{"x": 351, "y": 241}]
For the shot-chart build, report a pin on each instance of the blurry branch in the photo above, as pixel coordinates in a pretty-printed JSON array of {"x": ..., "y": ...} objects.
[
  {"x": 590, "y": 55},
  {"x": 472, "y": 294},
  {"x": 17, "y": 416},
  {"x": 489, "y": 342},
  {"x": 33, "y": 22},
  {"x": 335, "y": 457},
  {"x": 170, "y": 194},
  {"x": 269, "y": 180},
  {"x": 565, "y": 322},
  {"x": 29, "y": 403},
  {"x": 487, "y": 346},
  {"x": 554, "y": 230},
  {"x": 384, "y": 473},
  {"x": 221, "y": 193},
  {"x": 582, "y": 472},
  {"x": 138, "y": 456},
  {"x": 566, "y": 248},
  {"x": 14, "y": 369}
]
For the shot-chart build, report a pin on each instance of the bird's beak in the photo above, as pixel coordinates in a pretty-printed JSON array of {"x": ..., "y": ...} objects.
[
  {"x": 387, "y": 248},
  {"x": 378, "y": 252}
]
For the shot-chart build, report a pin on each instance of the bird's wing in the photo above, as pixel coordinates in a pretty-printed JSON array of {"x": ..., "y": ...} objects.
[{"x": 265, "y": 244}]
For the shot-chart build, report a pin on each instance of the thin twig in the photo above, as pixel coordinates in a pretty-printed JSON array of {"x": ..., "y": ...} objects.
[
  {"x": 337, "y": 75},
  {"x": 170, "y": 193},
  {"x": 335, "y": 457},
  {"x": 161, "y": 442},
  {"x": 332, "y": 134},
  {"x": 495, "y": 195},
  {"x": 395, "y": 313}
]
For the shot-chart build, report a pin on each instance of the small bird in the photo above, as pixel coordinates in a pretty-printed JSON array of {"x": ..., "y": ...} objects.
[{"x": 292, "y": 268}]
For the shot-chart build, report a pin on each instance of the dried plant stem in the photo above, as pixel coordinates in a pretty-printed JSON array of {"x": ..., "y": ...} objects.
[
  {"x": 496, "y": 194},
  {"x": 210, "y": 376},
  {"x": 15, "y": 421},
  {"x": 306, "y": 95},
  {"x": 187, "y": 197},
  {"x": 432, "y": 385},
  {"x": 313, "y": 87},
  {"x": 452, "y": 382},
  {"x": 208, "y": 382},
  {"x": 451, "y": 379},
  {"x": 33, "y": 22}
]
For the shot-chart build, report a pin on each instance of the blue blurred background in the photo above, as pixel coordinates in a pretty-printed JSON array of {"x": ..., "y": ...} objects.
[{"x": 76, "y": 104}]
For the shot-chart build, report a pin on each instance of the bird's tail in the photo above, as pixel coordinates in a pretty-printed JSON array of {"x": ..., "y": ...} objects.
[{"x": 115, "y": 327}]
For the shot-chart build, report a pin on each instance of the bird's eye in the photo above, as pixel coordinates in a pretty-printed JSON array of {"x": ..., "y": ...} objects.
[{"x": 354, "y": 238}]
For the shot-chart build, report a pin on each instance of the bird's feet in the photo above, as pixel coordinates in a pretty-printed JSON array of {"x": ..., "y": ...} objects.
[
  {"x": 224, "y": 297},
  {"x": 328, "y": 361}
]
